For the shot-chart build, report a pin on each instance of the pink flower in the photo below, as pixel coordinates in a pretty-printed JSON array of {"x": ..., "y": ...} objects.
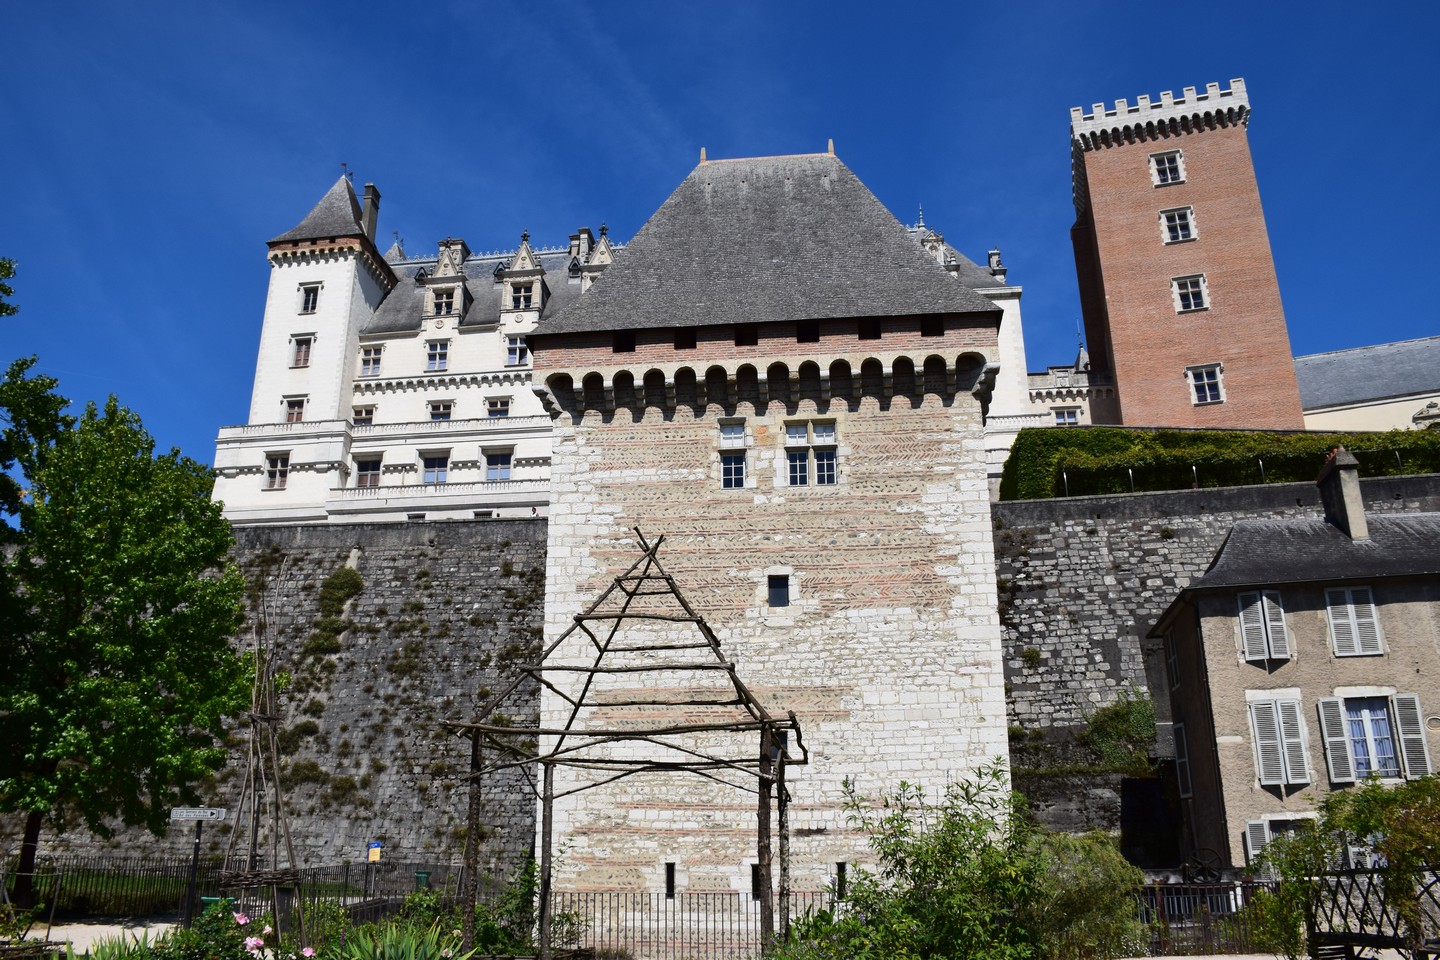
[
  {"x": 241, "y": 919},
  {"x": 267, "y": 931},
  {"x": 253, "y": 944},
  {"x": 308, "y": 952}
]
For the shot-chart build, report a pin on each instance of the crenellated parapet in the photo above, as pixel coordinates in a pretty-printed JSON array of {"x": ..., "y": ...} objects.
[{"x": 1170, "y": 116}]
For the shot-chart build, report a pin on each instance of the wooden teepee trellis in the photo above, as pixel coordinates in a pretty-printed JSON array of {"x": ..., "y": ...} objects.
[{"x": 687, "y": 711}]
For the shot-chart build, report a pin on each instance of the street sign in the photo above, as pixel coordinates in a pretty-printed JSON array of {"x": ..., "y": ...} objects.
[
  {"x": 374, "y": 851},
  {"x": 197, "y": 813}
]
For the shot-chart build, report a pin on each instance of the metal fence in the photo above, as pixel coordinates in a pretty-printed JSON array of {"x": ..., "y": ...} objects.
[{"x": 1186, "y": 919}]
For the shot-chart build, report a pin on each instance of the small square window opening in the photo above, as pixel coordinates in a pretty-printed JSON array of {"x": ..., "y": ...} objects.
[
  {"x": 295, "y": 410},
  {"x": 1177, "y": 225},
  {"x": 362, "y": 416},
  {"x": 778, "y": 593},
  {"x": 277, "y": 471},
  {"x": 497, "y": 407},
  {"x": 1167, "y": 168},
  {"x": 441, "y": 409},
  {"x": 685, "y": 338}
]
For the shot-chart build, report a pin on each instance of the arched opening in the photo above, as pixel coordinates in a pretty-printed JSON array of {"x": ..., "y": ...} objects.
[
  {"x": 777, "y": 379},
  {"x": 655, "y": 390},
  {"x": 936, "y": 380},
  {"x": 594, "y": 386},
  {"x": 747, "y": 387},
  {"x": 717, "y": 387}
]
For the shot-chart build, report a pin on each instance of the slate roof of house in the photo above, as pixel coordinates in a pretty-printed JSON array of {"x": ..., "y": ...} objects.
[
  {"x": 1361, "y": 374},
  {"x": 336, "y": 215},
  {"x": 767, "y": 239}
]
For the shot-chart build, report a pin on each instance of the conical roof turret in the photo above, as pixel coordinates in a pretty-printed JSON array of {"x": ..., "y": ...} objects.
[{"x": 336, "y": 215}]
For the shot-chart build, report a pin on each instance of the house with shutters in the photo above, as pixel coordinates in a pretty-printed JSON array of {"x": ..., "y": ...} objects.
[{"x": 1299, "y": 664}]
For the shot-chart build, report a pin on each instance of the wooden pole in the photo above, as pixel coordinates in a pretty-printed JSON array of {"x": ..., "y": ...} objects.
[
  {"x": 471, "y": 882},
  {"x": 547, "y": 833},
  {"x": 783, "y": 800},
  {"x": 762, "y": 843}
]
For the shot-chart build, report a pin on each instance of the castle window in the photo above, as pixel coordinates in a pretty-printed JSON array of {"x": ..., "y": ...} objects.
[
  {"x": 746, "y": 334},
  {"x": 1190, "y": 293},
  {"x": 435, "y": 468},
  {"x": 497, "y": 407},
  {"x": 516, "y": 352},
  {"x": 1067, "y": 416},
  {"x": 1279, "y": 742},
  {"x": 732, "y": 455},
  {"x": 778, "y": 590},
  {"x": 869, "y": 328},
  {"x": 370, "y": 361},
  {"x": 437, "y": 355},
  {"x": 497, "y": 464},
  {"x": 444, "y": 303},
  {"x": 1354, "y": 629},
  {"x": 932, "y": 326},
  {"x": 810, "y": 452},
  {"x": 1167, "y": 168},
  {"x": 1178, "y": 225},
  {"x": 807, "y": 331},
  {"x": 294, "y": 409},
  {"x": 309, "y": 297},
  {"x": 277, "y": 470},
  {"x": 624, "y": 341},
  {"x": 685, "y": 338},
  {"x": 521, "y": 295},
  {"x": 362, "y": 416},
  {"x": 367, "y": 471},
  {"x": 1262, "y": 626},
  {"x": 441, "y": 409},
  {"x": 1206, "y": 383},
  {"x": 669, "y": 881},
  {"x": 301, "y": 355}
]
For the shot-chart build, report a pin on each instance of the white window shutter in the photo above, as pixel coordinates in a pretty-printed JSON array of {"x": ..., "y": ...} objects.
[
  {"x": 1257, "y": 835},
  {"x": 1342, "y": 632},
  {"x": 1337, "y": 740},
  {"x": 1412, "y": 735},
  {"x": 1367, "y": 626},
  {"x": 1292, "y": 739},
  {"x": 1252, "y": 627},
  {"x": 1269, "y": 757},
  {"x": 1275, "y": 625}
]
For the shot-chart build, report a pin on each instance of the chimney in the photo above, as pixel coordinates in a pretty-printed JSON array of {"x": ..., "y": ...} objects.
[
  {"x": 997, "y": 269},
  {"x": 371, "y": 211},
  {"x": 1339, "y": 485}
]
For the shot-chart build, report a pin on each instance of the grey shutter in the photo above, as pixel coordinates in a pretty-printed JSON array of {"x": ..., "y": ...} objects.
[
  {"x": 1367, "y": 627},
  {"x": 1292, "y": 739},
  {"x": 1275, "y": 625},
  {"x": 1257, "y": 835},
  {"x": 1269, "y": 757},
  {"x": 1182, "y": 762},
  {"x": 1252, "y": 627},
  {"x": 1337, "y": 740},
  {"x": 1412, "y": 735},
  {"x": 1342, "y": 632}
]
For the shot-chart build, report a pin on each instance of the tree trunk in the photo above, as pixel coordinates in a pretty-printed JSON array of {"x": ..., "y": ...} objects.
[{"x": 24, "y": 895}]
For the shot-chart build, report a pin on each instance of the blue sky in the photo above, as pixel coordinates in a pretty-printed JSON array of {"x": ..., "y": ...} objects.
[{"x": 150, "y": 149}]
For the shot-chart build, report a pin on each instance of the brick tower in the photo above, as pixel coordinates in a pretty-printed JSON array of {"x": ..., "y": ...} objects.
[{"x": 1177, "y": 285}]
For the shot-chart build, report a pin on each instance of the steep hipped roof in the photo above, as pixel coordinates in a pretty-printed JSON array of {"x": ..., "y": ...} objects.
[
  {"x": 336, "y": 215},
  {"x": 1377, "y": 372},
  {"x": 767, "y": 239}
]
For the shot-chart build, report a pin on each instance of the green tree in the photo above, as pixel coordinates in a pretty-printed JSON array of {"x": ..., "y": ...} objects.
[
  {"x": 7, "y": 270},
  {"x": 120, "y": 600}
]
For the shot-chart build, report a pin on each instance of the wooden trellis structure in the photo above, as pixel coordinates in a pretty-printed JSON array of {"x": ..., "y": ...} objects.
[{"x": 686, "y": 711}]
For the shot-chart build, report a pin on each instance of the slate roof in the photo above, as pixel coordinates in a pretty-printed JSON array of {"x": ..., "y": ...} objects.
[
  {"x": 402, "y": 309},
  {"x": 1369, "y": 373},
  {"x": 336, "y": 215},
  {"x": 767, "y": 239}
]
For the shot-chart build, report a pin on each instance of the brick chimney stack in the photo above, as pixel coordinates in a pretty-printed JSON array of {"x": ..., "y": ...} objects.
[{"x": 1339, "y": 485}]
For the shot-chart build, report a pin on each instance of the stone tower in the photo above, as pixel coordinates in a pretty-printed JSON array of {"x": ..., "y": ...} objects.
[
  {"x": 1177, "y": 286},
  {"x": 778, "y": 379}
]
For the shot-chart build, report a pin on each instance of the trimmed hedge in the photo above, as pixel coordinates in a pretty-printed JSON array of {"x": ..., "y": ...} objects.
[{"x": 1096, "y": 460}]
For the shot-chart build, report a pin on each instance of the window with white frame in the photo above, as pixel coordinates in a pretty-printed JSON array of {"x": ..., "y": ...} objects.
[
  {"x": 277, "y": 470},
  {"x": 362, "y": 416},
  {"x": 516, "y": 352},
  {"x": 1382, "y": 736},
  {"x": 437, "y": 355},
  {"x": 1354, "y": 627},
  {"x": 732, "y": 455},
  {"x": 1279, "y": 736},
  {"x": 1262, "y": 626},
  {"x": 521, "y": 295},
  {"x": 1182, "y": 762},
  {"x": 444, "y": 303},
  {"x": 1067, "y": 416},
  {"x": 441, "y": 409},
  {"x": 810, "y": 453},
  {"x": 370, "y": 361},
  {"x": 1177, "y": 225},
  {"x": 367, "y": 471},
  {"x": 294, "y": 409},
  {"x": 309, "y": 297},
  {"x": 497, "y": 464},
  {"x": 497, "y": 406},
  {"x": 435, "y": 468},
  {"x": 1190, "y": 293},
  {"x": 1167, "y": 168},
  {"x": 300, "y": 352},
  {"x": 1207, "y": 383}
]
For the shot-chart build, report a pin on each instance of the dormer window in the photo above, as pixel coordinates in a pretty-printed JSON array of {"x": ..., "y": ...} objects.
[
  {"x": 521, "y": 295},
  {"x": 574, "y": 266},
  {"x": 444, "y": 303},
  {"x": 500, "y": 271}
]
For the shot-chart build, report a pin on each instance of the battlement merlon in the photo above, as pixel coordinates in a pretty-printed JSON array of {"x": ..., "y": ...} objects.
[{"x": 1169, "y": 116}]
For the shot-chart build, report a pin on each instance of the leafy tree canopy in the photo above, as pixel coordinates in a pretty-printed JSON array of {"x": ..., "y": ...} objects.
[
  {"x": 120, "y": 601},
  {"x": 7, "y": 270}
]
